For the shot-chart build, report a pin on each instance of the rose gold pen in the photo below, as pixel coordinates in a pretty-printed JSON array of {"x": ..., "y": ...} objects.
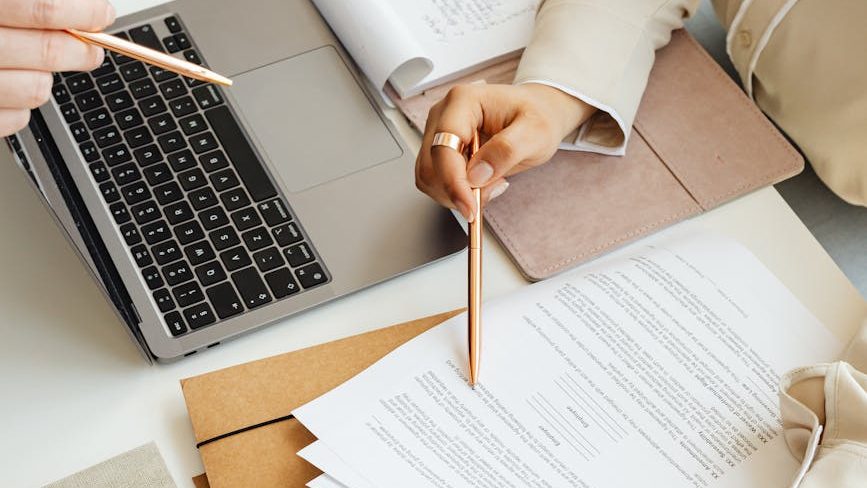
[
  {"x": 474, "y": 305},
  {"x": 150, "y": 56}
]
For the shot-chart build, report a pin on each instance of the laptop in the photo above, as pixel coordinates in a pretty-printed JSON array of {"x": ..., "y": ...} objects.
[{"x": 204, "y": 212}]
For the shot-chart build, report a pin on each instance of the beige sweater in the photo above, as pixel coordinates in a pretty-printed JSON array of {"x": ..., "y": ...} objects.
[{"x": 804, "y": 62}]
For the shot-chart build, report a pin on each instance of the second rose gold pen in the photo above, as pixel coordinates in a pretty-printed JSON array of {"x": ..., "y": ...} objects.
[
  {"x": 474, "y": 299},
  {"x": 150, "y": 56}
]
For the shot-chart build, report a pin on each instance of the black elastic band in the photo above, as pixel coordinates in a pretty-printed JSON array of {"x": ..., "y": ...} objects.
[{"x": 245, "y": 429}]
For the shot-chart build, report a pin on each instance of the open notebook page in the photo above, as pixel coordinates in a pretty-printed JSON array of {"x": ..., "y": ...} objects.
[
  {"x": 655, "y": 367},
  {"x": 418, "y": 44}
]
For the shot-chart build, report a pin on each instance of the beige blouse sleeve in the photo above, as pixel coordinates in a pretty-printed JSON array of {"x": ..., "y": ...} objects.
[{"x": 601, "y": 52}]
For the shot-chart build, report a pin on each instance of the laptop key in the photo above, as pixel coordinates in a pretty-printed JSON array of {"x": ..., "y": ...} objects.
[
  {"x": 311, "y": 275},
  {"x": 203, "y": 142},
  {"x": 210, "y": 273},
  {"x": 246, "y": 218},
  {"x": 224, "y": 238},
  {"x": 189, "y": 232},
  {"x": 241, "y": 154},
  {"x": 118, "y": 101},
  {"x": 213, "y": 217},
  {"x": 274, "y": 212},
  {"x": 203, "y": 198},
  {"x": 188, "y": 294},
  {"x": 178, "y": 212},
  {"x": 142, "y": 88},
  {"x": 173, "y": 88},
  {"x": 61, "y": 94},
  {"x": 298, "y": 254},
  {"x": 120, "y": 59},
  {"x": 116, "y": 155},
  {"x": 119, "y": 212},
  {"x": 166, "y": 252},
  {"x": 148, "y": 155},
  {"x": 79, "y": 83},
  {"x": 152, "y": 278},
  {"x": 235, "y": 258},
  {"x": 89, "y": 151},
  {"x": 171, "y": 45},
  {"x": 282, "y": 283},
  {"x": 224, "y": 180},
  {"x": 268, "y": 259},
  {"x": 164, "y": 300},
  {"x": 176, "y": 323},
  {"x": 199, "y": 253},
  {"x": 156, "y": 232},
  {"x": 146, "y": 212},
  {"x": 181, "y": 160},
  {"x": 256, "y": 239},
  {"x": 162, "y": 123},
  {"x": 168, "y": 193},
  {"x": 109, "y": 192},
  {"x": 138, "y": 137},
  {"x": 152, "y": 106},
  {"x": 88, "y": 101},
  {"x": 193, "y": 124},
  {"x": 287, "y": 234},
  {"x": 129, "y": 119},
  {"x": 207, "y": 96},
  {"x": 234, "y": 199},
  {"x": 157, "y": 174},
  {"x": 133, "y": 71},
  {"x": 225, "y": 300},
  {"x": 183, "y": 41},
  {"x": 109, "y": 84},
  {"x": 107, "y": 136},
  {"x": 105, "y": 68},
  {"x": 192, "y": 179},
  {"x": 99, "y": 171},
  {"x": 160, "y": 75},
  {"x": 135, "y": 193},
  {"x": 126, "y": 174},
  {"x": 199, "y": 316},
  {"x": 130, "y": 234},
  {"x": 173, "y": 24},
  {"x": 145, "y": 36},
  {"x": 70, "y": 113},
  {"x": 171, "y": 142},
  {"x": 177, "y": 273},
  {"x": 141, "y": 255},
  {"x": 192, "y": 56},
  {"x": 213, "y": 161},
  {"x": 79, "y": 132},
  {"x": 252, "y": 288},
  {"x": 96, "y": 119},
  {"x": 183, "y": 106}
]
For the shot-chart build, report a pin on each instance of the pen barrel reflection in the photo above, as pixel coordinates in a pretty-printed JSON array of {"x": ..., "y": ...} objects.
[{"x": 474, "y": 306}]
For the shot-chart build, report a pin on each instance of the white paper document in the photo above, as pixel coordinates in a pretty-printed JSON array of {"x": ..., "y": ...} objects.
[
  {"x": 416, "y": 44},
  {"x": 657, "y": 367}
]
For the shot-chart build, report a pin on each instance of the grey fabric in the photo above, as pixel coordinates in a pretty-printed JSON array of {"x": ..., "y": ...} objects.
[{"x": 142, "y": 467}]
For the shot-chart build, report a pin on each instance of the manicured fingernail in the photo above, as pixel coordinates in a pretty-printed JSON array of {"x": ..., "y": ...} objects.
[
  {"x": 465, "y": 211},
  {"x": 499, "y": 190},
  {"x": 110, "y": 13},
  {"x": 480, "y": 174}
]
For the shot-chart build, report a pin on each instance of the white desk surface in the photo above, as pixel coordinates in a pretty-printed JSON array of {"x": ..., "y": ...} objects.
[{"x": 74, "y": 390}]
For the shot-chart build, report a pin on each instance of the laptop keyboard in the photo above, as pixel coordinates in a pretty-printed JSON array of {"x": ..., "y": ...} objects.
[{"x": 202, "y": 220}]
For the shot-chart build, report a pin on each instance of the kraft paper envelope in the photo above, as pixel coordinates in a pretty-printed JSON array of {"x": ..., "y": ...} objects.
[
  {"x": 241, "y": 415},
  {"x": 697, "y": 142}
]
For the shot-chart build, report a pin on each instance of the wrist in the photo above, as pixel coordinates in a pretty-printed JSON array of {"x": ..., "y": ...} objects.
[{"x": 566, "y": 111}]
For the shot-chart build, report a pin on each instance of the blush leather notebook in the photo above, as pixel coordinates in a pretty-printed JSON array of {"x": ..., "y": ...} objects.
[{"x": 697, "y": 142}]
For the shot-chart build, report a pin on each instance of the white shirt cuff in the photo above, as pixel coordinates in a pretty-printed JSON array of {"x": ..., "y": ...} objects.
[{"x": 578, "y": 142}]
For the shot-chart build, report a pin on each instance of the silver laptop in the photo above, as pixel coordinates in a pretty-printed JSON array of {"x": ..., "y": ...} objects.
[{"x": 204, "y": 212}]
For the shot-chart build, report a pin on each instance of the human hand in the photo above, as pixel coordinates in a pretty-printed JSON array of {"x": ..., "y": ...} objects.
[
  {"x": 524, "y": 123},
  {"x": 33, "y": 45}
]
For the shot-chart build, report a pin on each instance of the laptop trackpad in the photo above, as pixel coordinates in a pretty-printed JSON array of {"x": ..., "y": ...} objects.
[{"x": 312, "y": 119}]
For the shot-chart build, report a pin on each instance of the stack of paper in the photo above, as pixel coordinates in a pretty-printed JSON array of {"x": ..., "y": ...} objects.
[{"x": 656, "y": 367}]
